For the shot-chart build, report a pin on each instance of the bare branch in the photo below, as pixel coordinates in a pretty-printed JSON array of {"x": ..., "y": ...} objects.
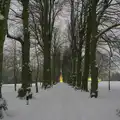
[{"x": 106, "y": 30}]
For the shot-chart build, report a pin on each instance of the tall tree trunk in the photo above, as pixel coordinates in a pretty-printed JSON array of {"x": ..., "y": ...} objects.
[
  {"x": 25, "y": 68},
  {"x": 53, "y": 67},
  {"x": 79, "y": 68},
  {"x": 87, "y": 52},
  {"x": 25, "y": 46},
  {"x": 94, "y": 69},
  {"x": 15, "y": 76},
  {"x": 47, "y": 64},
  {"x": 37, "y": 74},
  {"x": 1, "y": 65},
  {"x": 58, "y": 64},
  {"x": 4, "y": 11},
  {"x": 47, "y": 45},
  {"x": 81, "y": 29},
  {"x": 74, "y": 58}
]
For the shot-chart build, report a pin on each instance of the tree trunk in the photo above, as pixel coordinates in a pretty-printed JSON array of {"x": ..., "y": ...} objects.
[
  {"x": 4, "y": 10},
  {"x": 25, "y": 66},
  {"x": 58, "y": 64},
  {"x": 87, "y": 53},
  {"x": 37, "y": 74},
  {"x": 15, "y": 76},
  {"x": 47, "y": 64},
  {"x": 79, "y": 68},
  {"x": 1, "y": 65},
  {"x": 53, "y": 67},
  {"x": 36, "y": 80},
  {"x": 73, "y": 37},
  {"x": 94, "y": 69},
  {"x": 25, "y": 46},
  {"x": 47, "y": 45},
  {"x": 2, "y": 38},
  {"x": 109, "y": 74}
]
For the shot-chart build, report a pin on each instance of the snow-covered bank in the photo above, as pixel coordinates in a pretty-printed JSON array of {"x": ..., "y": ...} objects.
[{"x": 64, "y": 103}]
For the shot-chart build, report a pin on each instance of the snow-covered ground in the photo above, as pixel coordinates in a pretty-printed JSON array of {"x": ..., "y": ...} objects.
[{"x": 64, "y": 103}]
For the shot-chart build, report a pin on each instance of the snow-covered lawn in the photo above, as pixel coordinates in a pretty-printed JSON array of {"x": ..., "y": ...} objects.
[{"x": 64, "y": 103}]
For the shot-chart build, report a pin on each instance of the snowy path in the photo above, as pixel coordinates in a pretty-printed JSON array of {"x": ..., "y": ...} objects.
[{"x": 63, "y": 103}]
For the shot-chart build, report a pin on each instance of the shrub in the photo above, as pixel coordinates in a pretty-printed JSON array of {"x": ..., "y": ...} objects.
[{"x": 21, "y": 93}]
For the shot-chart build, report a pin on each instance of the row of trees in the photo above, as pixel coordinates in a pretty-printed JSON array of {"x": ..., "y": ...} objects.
[
  {"x": 38, "y": 31},
  {"x": 93, "y": 25}
]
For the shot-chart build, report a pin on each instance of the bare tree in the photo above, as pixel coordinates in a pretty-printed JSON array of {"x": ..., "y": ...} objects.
[
  {"x": 45, "y": 13},
  {"x": 4, "y": 10},
  {"x": 25, "y": 43},
  {"x": 96, "y": 20}
]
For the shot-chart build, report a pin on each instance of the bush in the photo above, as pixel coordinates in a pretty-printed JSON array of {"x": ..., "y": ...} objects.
[
  {"x": 21, "y": 93},
  {"x": 3, "y": 106}
]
